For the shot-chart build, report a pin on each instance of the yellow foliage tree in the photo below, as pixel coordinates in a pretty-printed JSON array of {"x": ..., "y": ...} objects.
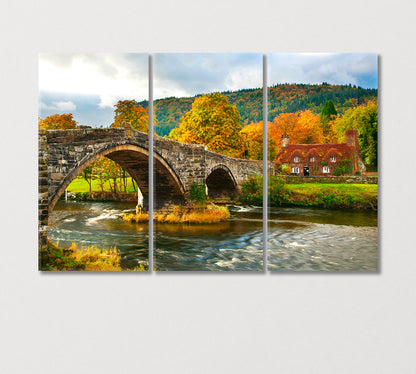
[
  {"x": 253, "y": 140},
  {"x": 128, "y": 111},
  {"x": 214, "y": 122}
]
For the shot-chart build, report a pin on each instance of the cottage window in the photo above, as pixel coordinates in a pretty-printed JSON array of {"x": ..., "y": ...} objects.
[
  {"x": 312, "y": 159},
  {"x": 325, "y": 169},
  {"x": 295, "y": 170},
  {"x": 332, "y": 159},
  {"x": 296, "y": 159}
]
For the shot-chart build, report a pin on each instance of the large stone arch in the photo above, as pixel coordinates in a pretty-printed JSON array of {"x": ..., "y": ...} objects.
[
  {"x": 221, "y": 182},
  {"x": 168, "y": 187},
  {"x": 131, "y": 157}
]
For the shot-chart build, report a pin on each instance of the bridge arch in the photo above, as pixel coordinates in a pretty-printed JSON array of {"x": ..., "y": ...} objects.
[
  {"x": 221, "y": 182},
  {"x": 131, "y": 157}
]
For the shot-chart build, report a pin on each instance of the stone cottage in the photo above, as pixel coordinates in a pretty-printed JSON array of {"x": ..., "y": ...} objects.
[{"x": 321, "y": 159}]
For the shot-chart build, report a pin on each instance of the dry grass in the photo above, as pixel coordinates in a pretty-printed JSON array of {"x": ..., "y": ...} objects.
[
  {"x": 88, "y": 259},
  {"x": 209, "y": 214},
  {"x": 135, "y": 217}
]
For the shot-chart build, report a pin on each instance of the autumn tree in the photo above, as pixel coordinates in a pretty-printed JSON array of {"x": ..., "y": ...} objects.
[
  {"x": 364, "y": 119},
  {"x": 252, "y": 135},
  {"x": 57, "y": 121},
  {"x": 303, "y": 127},
  {"x": 214, "y": 122},
  {"x": 128, "y": 111},
  {"x": 253, "y": 140}
]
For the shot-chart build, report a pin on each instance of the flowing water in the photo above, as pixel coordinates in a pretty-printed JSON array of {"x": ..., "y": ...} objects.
[
  {"x": 303, "y": 239},
  {"x": 235, "y": 244},
  {"x": 298, "y": 238},
  {"x": 99, "y": 224}
]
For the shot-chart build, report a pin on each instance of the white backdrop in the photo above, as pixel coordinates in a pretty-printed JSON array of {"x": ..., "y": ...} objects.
[{"x": 206, "y": 323}]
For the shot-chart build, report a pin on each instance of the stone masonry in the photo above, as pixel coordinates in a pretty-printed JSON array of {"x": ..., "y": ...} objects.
[{"x": 63, "y": 154}]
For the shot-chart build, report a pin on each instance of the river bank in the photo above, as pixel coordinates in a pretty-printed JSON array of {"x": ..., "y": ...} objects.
[{"x": 319, "y": 195}]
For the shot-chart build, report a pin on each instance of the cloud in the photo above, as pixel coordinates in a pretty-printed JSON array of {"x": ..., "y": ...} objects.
[
  {"x": 313, "y": 68},
  {"x": 189, "y": 74},
  {"x": 59, "y": 106},
  {"x": 107, "y": 101},
  {"x": 87, "y": 112},
  {"x": 120, "y": 75}
]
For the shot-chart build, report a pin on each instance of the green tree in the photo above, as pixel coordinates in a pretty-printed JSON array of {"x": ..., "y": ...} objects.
[
  {"x": 214, "y": 122},
  {"x": 328, "y": 113},
  {"x": 88, "y": 174},
  {"x": 364, "y": 119}
]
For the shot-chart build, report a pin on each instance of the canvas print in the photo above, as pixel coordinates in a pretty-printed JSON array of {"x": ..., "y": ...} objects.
[
  {"x": 207, "y": 149},
  {"x": 323, "y": 180},
  {"x": 93, "y": 161}
]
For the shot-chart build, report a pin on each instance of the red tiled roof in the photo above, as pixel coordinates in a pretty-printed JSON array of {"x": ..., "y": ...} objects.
[{"x": 321, "y": 150}]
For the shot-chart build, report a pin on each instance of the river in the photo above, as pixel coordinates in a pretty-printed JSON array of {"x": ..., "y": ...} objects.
[{"x": 299, "y": 239}]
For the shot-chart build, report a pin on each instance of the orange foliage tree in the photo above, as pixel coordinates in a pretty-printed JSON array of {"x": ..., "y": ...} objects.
[
  {"x": 57, "y": 121},
  {"x": 303, "y": 127}
]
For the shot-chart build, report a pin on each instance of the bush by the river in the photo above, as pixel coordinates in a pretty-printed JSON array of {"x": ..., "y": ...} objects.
[
  {"x": 353, "y": 196},
  {"x": 55, "y": 258}
]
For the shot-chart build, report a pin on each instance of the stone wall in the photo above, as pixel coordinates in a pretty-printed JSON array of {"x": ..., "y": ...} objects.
[
  {"x": 349, "y": 179},
  {"x": 43, "y": 202}
]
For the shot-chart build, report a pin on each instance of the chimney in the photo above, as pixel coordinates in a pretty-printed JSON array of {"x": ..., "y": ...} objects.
[
  {"x": 351, "y": 137},
  {"x": 285, "y": 140}
]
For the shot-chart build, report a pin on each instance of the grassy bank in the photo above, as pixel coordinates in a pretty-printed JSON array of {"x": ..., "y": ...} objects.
[
  {"x": 55, "y": 258},
  {"x": 80, "y": 185},
  {"x": 336, "y": 196},
  {"x": 196, "y": 214}
]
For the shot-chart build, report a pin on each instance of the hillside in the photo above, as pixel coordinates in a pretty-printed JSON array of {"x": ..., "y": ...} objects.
[{"x": 283, "y": 98}]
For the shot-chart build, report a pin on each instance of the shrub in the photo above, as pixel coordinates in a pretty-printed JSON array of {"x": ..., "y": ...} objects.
[
  {"x": 252, "y": 191},
  {"x": 286, "y": 170},
  {"x": 197, "y": 194},
  {"x": 277, "y": 191}
]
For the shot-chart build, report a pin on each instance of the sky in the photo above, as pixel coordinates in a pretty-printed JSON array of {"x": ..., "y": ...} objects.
[
  {"x": 189, "y": 74},
  {"x": 359, "y": 69},
  {"x": 89, "y": 85}
]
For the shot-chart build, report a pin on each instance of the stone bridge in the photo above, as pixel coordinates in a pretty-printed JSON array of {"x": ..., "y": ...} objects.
[{"x": 63, "y": 154}]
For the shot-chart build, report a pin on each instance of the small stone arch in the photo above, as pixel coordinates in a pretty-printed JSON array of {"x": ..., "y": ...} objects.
[{"x": 221, "y": 182}]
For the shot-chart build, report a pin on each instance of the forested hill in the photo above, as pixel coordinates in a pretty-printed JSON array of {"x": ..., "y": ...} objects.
[{"x": 283, "y": 98}]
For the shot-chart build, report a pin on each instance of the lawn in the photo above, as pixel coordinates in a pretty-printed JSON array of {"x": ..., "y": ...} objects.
[
  {"x": 363, "y": 196},
  {"x": 79, "y": 184}
]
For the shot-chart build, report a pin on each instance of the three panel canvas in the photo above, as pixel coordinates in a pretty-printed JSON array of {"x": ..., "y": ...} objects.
[{"x": 206, "y": 160}]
